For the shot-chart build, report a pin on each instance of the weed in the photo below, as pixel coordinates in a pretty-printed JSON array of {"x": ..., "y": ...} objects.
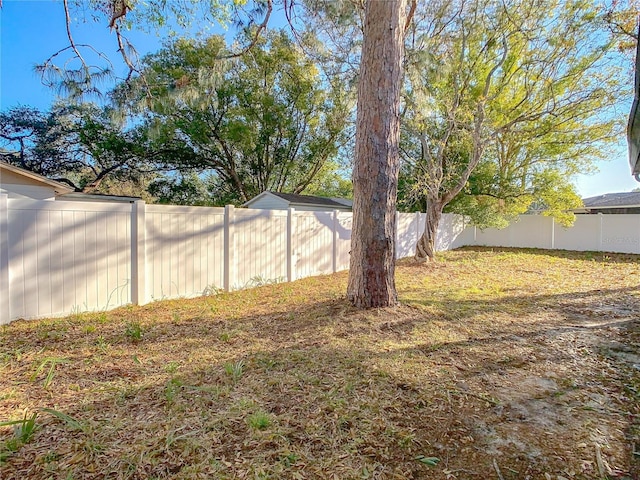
[
  {"x": 267, "y": 363},
  {"x": 171, "y": 390},
  {"x": 23, "y": 431},
  {"x": 51, "y": 362},
  {"x": 290, "y": 459},
  {"x": 51, "y": 457},
  {"x": 260, "y": 281},
  {"x": 101, "y": 343},
  {"x": 211, "y": 290},
  {"x": 171, "y": 367},
  {"x": 70, "y": 421},
  {"x": 234, "y": 370},
  {"x": 133, "y": 330},
  {"x": 259, "y": 420},
  {"x": 89, "y": 328}
]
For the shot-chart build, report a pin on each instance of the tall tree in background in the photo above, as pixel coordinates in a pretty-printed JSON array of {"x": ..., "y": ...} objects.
[
  {"x": 262, "y": 121},
  {"x": 505, "y": 102},
  {"x": 81, "y": 145},
  {"x": 375, "y": 172}
]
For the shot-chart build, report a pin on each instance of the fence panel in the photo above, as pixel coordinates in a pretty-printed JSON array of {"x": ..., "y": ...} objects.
[
  {"x": 450, "y": 231},
  {"x": 583, "y": 235},
  {"x": 532, "y": 231},
  {"x": 313, "y": 243},
  {"x": 260, "y": 248},
  {"x": 407, "y": 234},
  {"x": 66, "y": 257},
  {"x": 184, "y": 250},
  {"x": 343, "y": 240},
  {"x": 621, "y": 233}
]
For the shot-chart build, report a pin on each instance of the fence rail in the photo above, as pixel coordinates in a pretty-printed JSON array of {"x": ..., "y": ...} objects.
[{"x": 58, "y": 257}]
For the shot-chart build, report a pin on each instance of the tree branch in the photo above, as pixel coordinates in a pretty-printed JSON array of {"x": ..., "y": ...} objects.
[{"x": 256, "y": 35}]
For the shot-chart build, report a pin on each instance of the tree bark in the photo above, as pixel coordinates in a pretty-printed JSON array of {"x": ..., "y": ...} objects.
[
  {"x": 426, "y": 247},
  {"x": 375, "y": 174}
]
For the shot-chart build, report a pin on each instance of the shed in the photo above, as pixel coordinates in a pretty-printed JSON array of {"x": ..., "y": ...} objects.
[
  {"x": 283, "y": 201},
  {"x": 611, "y": 203},
  {"x": 20, "y": 183}
]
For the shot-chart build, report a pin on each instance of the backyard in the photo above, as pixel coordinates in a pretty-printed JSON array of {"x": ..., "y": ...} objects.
[{"x": 499, "y": 364}]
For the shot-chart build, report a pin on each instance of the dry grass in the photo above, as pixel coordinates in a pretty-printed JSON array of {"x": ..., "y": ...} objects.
[{"x": 499, "y": 364}]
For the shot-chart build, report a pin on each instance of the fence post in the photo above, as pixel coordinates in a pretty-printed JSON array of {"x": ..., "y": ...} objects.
[
  {"x": 291, "y": 268},
  {"x": 600, "y": 216},
  {"x": 334, "y": 251},
  {"x": 5, "y": 294},
  {"x": 553, "y": 233},
  {"x": 138, "y": 253},
  {"x": 229, "y": 250}
]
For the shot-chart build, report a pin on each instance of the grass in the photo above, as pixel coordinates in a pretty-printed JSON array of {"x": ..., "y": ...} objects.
[{"x": 498, "y": 363}]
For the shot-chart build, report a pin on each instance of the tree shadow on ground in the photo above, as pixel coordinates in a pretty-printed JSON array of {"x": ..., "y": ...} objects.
[{"x": 506, "y": 384}]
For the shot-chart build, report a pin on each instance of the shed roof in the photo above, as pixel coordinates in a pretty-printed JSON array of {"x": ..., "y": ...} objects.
[{"x": 313, "y": 200}]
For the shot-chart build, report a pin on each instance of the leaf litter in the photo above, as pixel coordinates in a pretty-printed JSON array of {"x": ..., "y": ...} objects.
[{"x": 499, "y": 363}]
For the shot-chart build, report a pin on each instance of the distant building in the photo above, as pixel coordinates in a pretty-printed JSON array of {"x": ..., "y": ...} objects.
[
  {"x": 310, "y": 203},
  {"x": 20, "y": 183},
  {"x": 611, "y": 203}
]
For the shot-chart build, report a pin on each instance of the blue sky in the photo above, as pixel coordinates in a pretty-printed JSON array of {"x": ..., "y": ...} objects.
[{"x": 32, "y": 30}]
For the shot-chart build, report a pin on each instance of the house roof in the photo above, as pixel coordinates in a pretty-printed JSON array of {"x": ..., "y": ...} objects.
[
  {"x": 613, "y": 200},
  {"x": 314, "y": 200},
  {"x": 295, "y": 199},
  {"x": 58, "y": 187}
]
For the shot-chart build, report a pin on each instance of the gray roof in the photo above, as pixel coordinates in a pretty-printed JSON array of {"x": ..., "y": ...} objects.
[
  {"x": 613, "y": 200},
  {"x": 314, "y": 200}
]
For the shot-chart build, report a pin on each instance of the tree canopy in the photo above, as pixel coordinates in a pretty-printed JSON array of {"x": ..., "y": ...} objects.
[
  {"x": 505, "y": 102},
  {"x": 262, "y": 121}
]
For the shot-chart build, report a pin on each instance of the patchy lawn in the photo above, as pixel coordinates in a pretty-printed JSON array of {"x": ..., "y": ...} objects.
[{"x": 500, "y": 364}]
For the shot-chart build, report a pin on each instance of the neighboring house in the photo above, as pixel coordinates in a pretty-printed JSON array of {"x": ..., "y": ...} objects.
[
  {"x": 309, "y": 203},
  {"x": 611, "y": 203},
  {"x": 20, "y": 183}
]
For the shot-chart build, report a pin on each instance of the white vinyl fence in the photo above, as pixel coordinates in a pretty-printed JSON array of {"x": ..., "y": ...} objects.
[
  {"x": 603, "y": 233},
  {"x": 58, "y": 258}
]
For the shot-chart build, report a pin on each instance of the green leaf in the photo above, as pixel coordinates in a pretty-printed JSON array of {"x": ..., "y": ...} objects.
[{"x": 429, "y": 461}]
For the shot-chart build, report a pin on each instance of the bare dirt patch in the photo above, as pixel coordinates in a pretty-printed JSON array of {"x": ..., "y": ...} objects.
[{"x": 505, "y": 364}]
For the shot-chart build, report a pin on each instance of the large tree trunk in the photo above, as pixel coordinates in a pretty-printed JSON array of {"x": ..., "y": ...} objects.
[
  {"x": 426, "y": 247},
  {"x": 375, "y": 175}
]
